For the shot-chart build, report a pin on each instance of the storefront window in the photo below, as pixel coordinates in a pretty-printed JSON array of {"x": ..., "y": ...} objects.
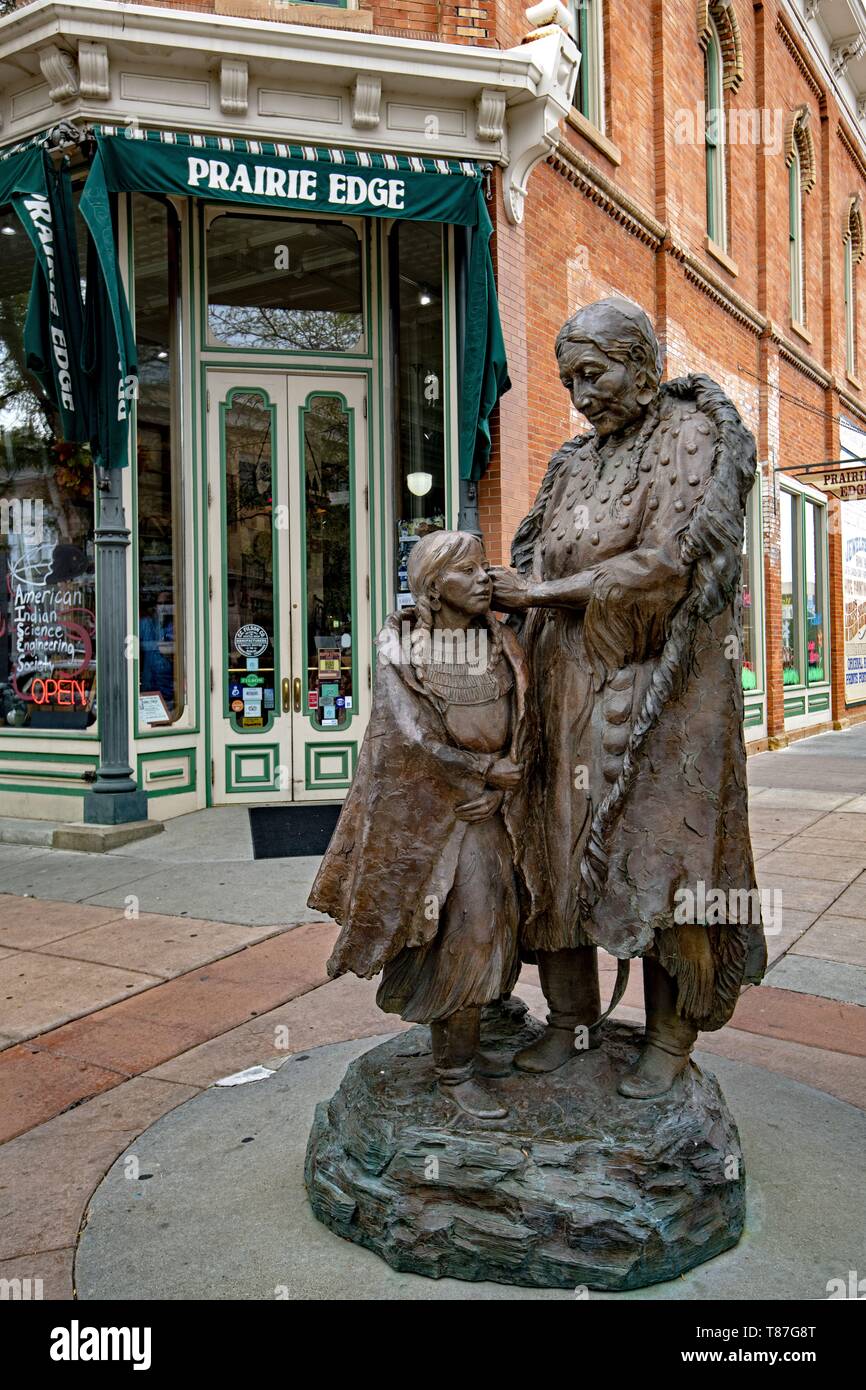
[
  {"x": 417, "y": 331},
  {"x": 286, "y": 284},
  {"x": 751, "y": 650},
  {"x": 789, "y": 552},
  {"x": 815, "y": 606},
  {"x": 248, "y": 441},
  {"x": 47, "y": 567},
  {"x": 329, "y": 561},
  {"x": 161, "y": 677}
]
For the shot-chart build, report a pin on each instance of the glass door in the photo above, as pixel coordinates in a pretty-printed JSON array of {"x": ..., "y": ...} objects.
[{"x": 290, "y": 640}]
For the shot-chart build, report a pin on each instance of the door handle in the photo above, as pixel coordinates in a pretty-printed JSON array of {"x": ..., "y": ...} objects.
[
  {"x": 286, "y": 695},
  {"x": 297, "y": 691}
]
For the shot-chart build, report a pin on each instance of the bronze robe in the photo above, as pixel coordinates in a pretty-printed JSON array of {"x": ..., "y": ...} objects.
[
  {"x": 637, "y": 785},
  {"x": 397, "y": 842}
]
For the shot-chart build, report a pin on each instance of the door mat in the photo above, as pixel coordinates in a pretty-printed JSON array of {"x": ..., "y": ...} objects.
[{"x": 287, "y": 832}]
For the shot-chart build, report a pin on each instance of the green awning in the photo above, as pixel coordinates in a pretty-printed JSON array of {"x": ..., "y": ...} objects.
[
  {"x": 315, "y": 179},
  {"x": 41, "y": 196}
]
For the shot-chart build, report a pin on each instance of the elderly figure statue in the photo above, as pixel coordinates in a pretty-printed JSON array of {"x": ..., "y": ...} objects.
[{"x": 626, "y": 576}]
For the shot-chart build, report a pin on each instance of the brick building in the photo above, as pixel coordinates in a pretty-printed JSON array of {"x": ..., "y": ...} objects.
[{"x": 306, "y": 376}]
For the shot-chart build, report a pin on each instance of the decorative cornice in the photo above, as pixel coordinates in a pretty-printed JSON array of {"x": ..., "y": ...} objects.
[
  {"x": 535, "y": 128},
  {"x": 570, "y": 164},
  {"x": 234, "y": 87},
  {"x": 807, "y": 72},
  {"x": 795, "y": 358},
  {"x": 851, "y": 150},
  {"x": 490, "y": 121},
  {"x": 60, "y": 72},
  {"x": 844, "y": 51},
  {"x": 366, "y": 101},
  {"x": 94, "y": 78},
  {"x": 703, "y": 278}
]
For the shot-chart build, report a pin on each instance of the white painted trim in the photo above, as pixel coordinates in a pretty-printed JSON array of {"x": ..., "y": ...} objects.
[{"x": 183, "y": 53}]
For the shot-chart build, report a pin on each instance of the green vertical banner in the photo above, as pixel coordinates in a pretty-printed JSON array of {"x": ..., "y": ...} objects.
[
  {"x": 485, "y": 366},
  {"x": 109, "y": 357},
  {"x": 41, "y": 196}
]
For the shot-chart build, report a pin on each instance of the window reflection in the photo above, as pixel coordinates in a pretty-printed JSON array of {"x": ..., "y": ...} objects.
[
  {"x": 790, "y": 590},
  {"x": 417, "y": 329},
  {"x": 248, "y": 444},
  {"x": 289, "y": 284},
  {"x": 815, "y": 655},
  {"x": 47, "y": 569},
  {"x": 161, "y": 673},
  {"x": 329, "y": 561},
  {"x": 750, "y": 673}
]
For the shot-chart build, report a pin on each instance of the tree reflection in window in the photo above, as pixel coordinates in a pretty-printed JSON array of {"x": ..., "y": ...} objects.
[
  {"x": 47, "y": 575},
  {"x": 286, "y": 284}
]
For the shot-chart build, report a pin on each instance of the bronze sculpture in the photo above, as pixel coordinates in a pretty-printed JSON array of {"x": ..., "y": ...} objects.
[
  {"x": 581, "y": 785},
  {"x": 420, "y": 872},
  {"x": 626, "y": 571}
]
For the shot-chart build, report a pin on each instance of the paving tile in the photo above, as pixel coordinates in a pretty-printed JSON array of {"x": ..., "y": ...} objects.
[
  {"x": 835, "y": 938},
  {"x": 71, "y": 877},
  {"x": 853, "y": 852},
  {"x": 789, "y": 864},
  {"x": 269, "y": 893},
  {"x": 161, "y": 946},
  {"x": 851, "y": 903},
  {"x": 29, "y": 923},
  {"x": 846, "y": 828},
  {"x": 34, "y": 1086},
  {"x": 831, "y": 979},
  {"x": 38, "y": 992},
  {"x": 5, "y": 951},
  {"x": 795, "y": 799},
  {"x": 781, "y": 820},
  {"x": 762, "y": 842},
  {"x": 334, "y": 1012},
  {"x": 46, "y": 1275},
  {"x": 834, "y": 1072},
  {"x": 856, "y": 807},
  {"x": 48, "y": 1174},
  {"x": 799, "y": 894},
  {"x": 802, "y": 1018},
  {"x": 793, "y": 925},
  {"x": 139, "y": 1033}
]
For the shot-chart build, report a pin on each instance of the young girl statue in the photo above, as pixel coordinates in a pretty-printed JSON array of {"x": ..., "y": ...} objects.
[{"x": 420, "y": 871}]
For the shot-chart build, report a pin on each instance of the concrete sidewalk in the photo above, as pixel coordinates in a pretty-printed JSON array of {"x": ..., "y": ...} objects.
[{"x": 130, "y": 981}]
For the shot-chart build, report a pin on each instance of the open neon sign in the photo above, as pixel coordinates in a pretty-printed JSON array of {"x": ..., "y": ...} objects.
[{"x": 60, "y": 692}]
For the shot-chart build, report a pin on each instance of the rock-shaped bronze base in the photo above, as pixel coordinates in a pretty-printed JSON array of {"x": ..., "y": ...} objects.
[{"x": 578, "y": 1186}]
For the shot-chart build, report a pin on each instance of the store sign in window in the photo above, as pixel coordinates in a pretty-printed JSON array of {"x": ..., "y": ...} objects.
[
  {"x": 47, "y": 575},
  {"x": 854, "y": 599}
]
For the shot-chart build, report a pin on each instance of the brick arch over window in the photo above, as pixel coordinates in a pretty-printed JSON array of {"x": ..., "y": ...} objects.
[
  {"x": 722, "y": 13},
  {"x": 854, "y": 228},
  {"x": 798, "y": 138}
]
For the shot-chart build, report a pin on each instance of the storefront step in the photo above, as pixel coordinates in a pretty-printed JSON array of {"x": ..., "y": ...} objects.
[{"x": 92, "y": 839}]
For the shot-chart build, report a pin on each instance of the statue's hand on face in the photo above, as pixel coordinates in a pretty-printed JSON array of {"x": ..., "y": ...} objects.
[
  {"x": 511, "y": 592},
  {"x": 611, "y": 394}
]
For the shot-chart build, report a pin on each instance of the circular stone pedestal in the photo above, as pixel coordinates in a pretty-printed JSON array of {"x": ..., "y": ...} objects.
[{"x": 578, "y": 1186}]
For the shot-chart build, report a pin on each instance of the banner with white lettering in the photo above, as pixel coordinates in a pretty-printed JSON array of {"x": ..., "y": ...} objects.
[
  {"x": 40, "y": 195},
  {"x": 313, "y": 179}
]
